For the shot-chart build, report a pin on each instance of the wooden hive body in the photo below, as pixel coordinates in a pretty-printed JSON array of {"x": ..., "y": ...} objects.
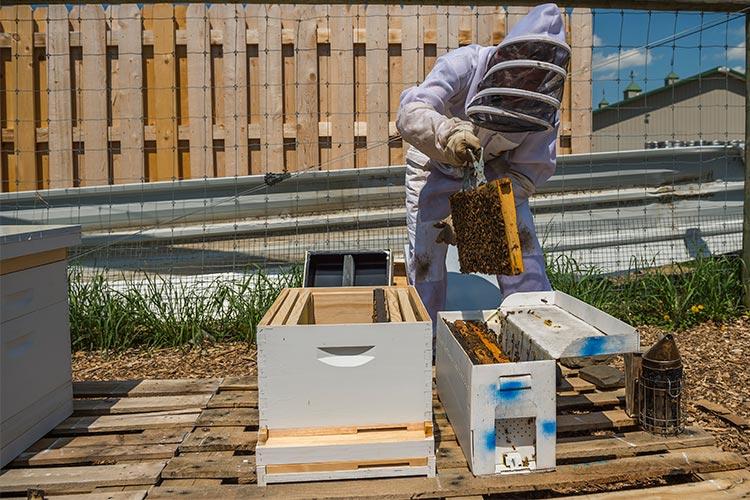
[
  {"x": 341, "y": 396},
  {"x": 36, "y": 389},
  {"x": 504, "y": 414}
]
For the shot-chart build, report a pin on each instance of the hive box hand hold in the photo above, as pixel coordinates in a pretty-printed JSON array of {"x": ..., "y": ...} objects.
[
  {"x": 341, "y": 396},
  {"x": 503, "y": 414},
  {"x": 554, "y": 325}
]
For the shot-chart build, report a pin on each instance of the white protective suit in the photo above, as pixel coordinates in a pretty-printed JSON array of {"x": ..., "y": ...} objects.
[{"x": 426, "y": 116}]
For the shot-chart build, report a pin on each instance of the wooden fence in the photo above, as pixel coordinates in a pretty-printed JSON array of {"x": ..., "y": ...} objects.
[{"x": 94, "y": 96}]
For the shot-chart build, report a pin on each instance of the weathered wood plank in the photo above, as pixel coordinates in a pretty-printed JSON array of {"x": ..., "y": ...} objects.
[
  {"x": 582, "y": 31},
  {"x": 60, "y": 101},
  {"x": 98, "y": 454},
  {"x": 127, "y": 99},
  {"x": 236, "y": 159},
  {"x": 165, "y": 95},
  {"x": 211, "y": 465},
  {"x": 590, "y": 400},
  {"x": 341, "y": 88},
  {"x": 219, "y": 439},
  {"x": 200, "y": 105},
  {"x": 113, "y": 406},
  {"x": 241, "y": 383},
  {"x": 133, "y": 421},
  {"x": 705, "y": 490},
  {"x": 377, "y": 85},
  {"x": 21, "y": 22},
  {"x": 228, "y": 417},
  {"x": 94, "y": 170},
  {"x": 629, "y": 444},
  {"x": 151, "y": 436},
  {"x": 306, "y": 112},
  {"x": 234, "y": 399},
  {"x": 594, "y": 421},
  {"x": 272, "y": 102},
  {"x": 135, "y": 388},
  {"x": 85, "y": 478}
]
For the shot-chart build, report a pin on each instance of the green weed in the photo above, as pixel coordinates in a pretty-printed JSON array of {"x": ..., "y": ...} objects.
[
  {"x": 674, "y": 297},
  {"x": 159, "y": 312}
]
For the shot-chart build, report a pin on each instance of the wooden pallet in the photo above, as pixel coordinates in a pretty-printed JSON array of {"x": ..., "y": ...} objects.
[{"x": 158, "y": 438}]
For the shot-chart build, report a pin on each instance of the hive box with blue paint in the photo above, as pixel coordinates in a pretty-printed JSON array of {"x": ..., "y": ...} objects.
[
  {"x": 554, "y": 325},
  {"x": 503, "y": 414}
]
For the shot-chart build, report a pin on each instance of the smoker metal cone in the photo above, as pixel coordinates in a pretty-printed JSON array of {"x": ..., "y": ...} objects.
[{"x": 663, "y": 355}]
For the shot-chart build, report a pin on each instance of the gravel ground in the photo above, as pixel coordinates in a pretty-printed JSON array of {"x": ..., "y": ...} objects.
[{"x": 716, "y": 359}]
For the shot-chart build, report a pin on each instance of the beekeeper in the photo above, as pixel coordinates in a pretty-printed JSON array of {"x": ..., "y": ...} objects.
[{"x": 504, "y": 99}]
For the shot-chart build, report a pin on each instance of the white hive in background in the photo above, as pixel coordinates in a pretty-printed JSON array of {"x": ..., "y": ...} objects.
[{"x": 36, "y": 389}]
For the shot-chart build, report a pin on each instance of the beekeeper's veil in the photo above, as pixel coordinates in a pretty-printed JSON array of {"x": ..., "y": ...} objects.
[{"x": 523, "y": 82}]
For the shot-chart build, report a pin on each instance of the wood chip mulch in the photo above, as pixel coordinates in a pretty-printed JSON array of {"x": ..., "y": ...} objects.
[
  {"x": 716, "y": 359},
  {"x": 717, "y": 368},
  {"x": 208, "y": 361}
]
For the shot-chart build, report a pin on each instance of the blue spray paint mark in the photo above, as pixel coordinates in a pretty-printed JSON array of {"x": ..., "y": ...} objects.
[
  {"x": 509, "y": 390},
  {"x": 489, "y": 440},
  {"x": 549, "y": 427},
  {"x": 593, "y": 346}
]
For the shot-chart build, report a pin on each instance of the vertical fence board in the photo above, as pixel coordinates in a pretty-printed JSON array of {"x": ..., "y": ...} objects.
[
  {"x": 199, "y": 91},
  {"x": 490, "y": 25},
  {"x": 60, "y": 128},
  {"x": 272, "y": 99},
  {"x": 128, "y": 95},
  {"x": 377, "y": 86},
  {"x": 341, "y": 78},
  {"x": 24, "y": 116},
  {"x": 236, "y": 160},
  {"x": 94, "y": 170},
  {"x": 580, "y": 68},
  {"x": 307, "y": 89},
  {"x": 165, "y": 98}
]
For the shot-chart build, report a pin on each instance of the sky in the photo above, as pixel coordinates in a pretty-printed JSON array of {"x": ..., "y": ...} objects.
[{"x": 622, "y": 38}]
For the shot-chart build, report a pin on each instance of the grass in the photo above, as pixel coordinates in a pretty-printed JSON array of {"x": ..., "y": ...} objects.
[
  {"x": 158, "y": 312},
  {"x": 675, "y": 297}
]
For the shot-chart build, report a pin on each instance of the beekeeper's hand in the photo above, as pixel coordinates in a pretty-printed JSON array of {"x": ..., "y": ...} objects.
[
  {"x": 461, "y": 141},
  {"x": 447, "y": 234}
]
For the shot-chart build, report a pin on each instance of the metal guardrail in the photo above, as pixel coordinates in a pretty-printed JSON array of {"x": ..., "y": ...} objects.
[{"x": 594, "y": 201}]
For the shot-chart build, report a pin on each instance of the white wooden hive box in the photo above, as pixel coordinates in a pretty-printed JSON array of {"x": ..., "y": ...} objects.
[
  {"x": 36, "y": 391},
  {"x": 554, "y": 325},
  {"x": 339, "y": 395},
  {"x": 503, "y": 414}
]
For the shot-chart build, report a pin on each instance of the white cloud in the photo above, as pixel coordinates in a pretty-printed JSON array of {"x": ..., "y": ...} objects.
[
  {"x": 740, "y": 69},
  {"x": 598, "y": 42},
  {"x": 735, "y": 53},
  {"x": 621, "y": 60}
]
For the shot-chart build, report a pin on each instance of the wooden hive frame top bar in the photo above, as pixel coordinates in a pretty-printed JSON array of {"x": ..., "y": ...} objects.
[{"x": 342, "y": 305}]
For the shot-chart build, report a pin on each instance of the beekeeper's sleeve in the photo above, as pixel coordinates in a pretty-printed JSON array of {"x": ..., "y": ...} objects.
[{"x": 423, "y": 116}]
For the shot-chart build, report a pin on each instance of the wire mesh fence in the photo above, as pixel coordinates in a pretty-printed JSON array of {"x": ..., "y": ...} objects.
[{"x": 199, "y": 140}]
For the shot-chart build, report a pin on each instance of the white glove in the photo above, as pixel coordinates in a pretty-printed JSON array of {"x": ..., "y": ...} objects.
[{"x": 461, "y": 140}]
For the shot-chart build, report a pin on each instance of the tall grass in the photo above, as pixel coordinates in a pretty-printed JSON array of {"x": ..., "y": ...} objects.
[
  {"x": 674, "y": 297},
  {"x": 158, "y": 312}
]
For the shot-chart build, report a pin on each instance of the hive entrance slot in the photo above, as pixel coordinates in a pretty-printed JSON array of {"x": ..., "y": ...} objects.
[{"x": 515, "y": 444}]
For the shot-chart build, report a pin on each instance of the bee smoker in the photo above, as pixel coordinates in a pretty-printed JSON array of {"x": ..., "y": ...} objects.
[{"x": 660, "y": 388}]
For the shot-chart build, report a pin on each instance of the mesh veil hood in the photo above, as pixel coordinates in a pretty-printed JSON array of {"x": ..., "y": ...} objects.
[{"x": 523, "y": 82}]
